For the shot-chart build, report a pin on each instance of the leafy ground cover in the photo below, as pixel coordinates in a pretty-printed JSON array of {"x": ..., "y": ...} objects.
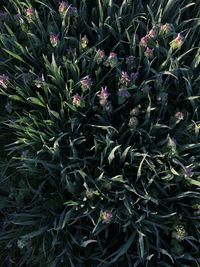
[{"x": 99, "y": 133}]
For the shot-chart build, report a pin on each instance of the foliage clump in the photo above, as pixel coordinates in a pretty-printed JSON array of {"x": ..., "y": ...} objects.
[{"x": 99, "y": 133}]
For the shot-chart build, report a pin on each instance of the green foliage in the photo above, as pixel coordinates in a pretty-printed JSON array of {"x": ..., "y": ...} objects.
[{"x": 99, "y": 133}]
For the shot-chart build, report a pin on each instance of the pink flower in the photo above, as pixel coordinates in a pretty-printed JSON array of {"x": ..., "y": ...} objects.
[
  {"x": 30, "y": 12},
  {"x": 153, "y": 32},
  {"x": 166, "y": 28},
  {"x": 179, "y": 116},
  {"x": 100, "y": 54},
  {"x": 86, "y": 83},
  {"x": 106, "y": 217},
  {"x": 125, "y": 79},
  {"x": 76, "y": 100},
  {"x": 54, "y": 39},
  {"x": 63, "y": 7},
  {"x": 177, "y": 42},
  {"x": 112, "y": 55},
  {"x": 144, "y": 41},
  {"x": 3, "y": 81},
  {"x": 103, "y": 94},
  {"x": 149, "y": 52}
]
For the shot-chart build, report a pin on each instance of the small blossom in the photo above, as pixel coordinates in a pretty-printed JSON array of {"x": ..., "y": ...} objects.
[
  {"x": 123, "y": 93},
  {"x": 112, "y": 60},
  {"x": 86, "y": 83},
  {"x": 63, "y": 6},
  {"x": 177, "y": 42},
  {"x": 103, "y": 94},
  {"x": 84, "y": 41},
  {"x": 179, "y": 116},
  {"x": 188, "y": 172},
  {"x": 149, "y": 52},
  {"x": 166, "y": 28},
  {"x": 144, "y": 41},
  {"x": 125, "y": 79},
  {"x": 153, "y": 32},
  {"x": 133, "y": 122},
  {"x": 30, "y": 13},
  {"x": 54, "y": 39},
  {"x": 107, "y": 217},
  {"x": 100, "y": 55},
  {"x": 134, "y": 112},
  {"x": 3, "y": 81},
  {"x": 76, "y": 100}
]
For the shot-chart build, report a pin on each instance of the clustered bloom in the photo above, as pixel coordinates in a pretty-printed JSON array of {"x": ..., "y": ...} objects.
[
  {"x": 86, "y": 83},
  {"x": 84, "y": 41},
  {"x": 149, "y": 52},
  {"x": 76, "y": 100},
  {"x": 165, "y": 28},
  {"x": 104, "y": 102},
  {"x": 179, "y": 116},
  {"x": 53, "y": 39},
  {"x": 106, "y": 217},
  {"x": 125, "y": 79},
  {"x": 100, "y": 55},
  {"x": 112, "y": 60},
  {"x": 177, "y": 42},
  {"x": 153, "y": 32},
  {"x": 64, "y": 6},
  {"x": 3, "y": 81},
  {"x": 144, "y": 41},
  {"x": 30, "y": 13}
]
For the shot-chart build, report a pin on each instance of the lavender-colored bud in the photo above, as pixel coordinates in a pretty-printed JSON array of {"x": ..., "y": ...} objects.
[
  {"x": 86, "y": 83},
  {"x": 125, "y": 79},
  {"x": 123, "y": 92},
  {"x": 103, "y": 94},
  {"x": 107, "y": 217},
  {"x": 54, "y": 38}
]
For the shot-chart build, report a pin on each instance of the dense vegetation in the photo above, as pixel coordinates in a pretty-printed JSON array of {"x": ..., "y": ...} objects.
[{"x": 99, "y": 133}]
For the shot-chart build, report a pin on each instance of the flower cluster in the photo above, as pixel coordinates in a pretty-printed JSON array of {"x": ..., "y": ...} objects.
[
  {"x": 54, "y": 39},
  {"x": 86, "y": 83},
  {"x": 100, "y": 55},
  {"x": 64, "y": 8},
  {"x": 3, "y": 81},
  {"x": 112, "y": 60},
  {"x": 177, "y": 42},
  {"x": 107, "y": 217},
  {"x": 84, "y": 41},
  {"x": 104, "y": 102}
]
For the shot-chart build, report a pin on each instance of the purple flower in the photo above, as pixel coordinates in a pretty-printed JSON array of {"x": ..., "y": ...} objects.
[
  {"x": 125, "y": 79},
  {"x": 106, "y": 217},
  {"x": 153, "y": 32},
  {"x": 100, "y": 55},
  {"x": 103, "y": 94},
  {"x": 179, "y": 116},
  {"x": 53, "y": 39},
  {"x": 76, "y": 100},
  {"x": 188, "y": 172},
  {"x": 3, "y": 81},
  {"x": 149, "y": 52},
  {"x": 177, "y": 42},
  {"x": 144, "y": 41},
  {"x": 123, "y": 92},
  {"x": 86, "y": 83}
]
